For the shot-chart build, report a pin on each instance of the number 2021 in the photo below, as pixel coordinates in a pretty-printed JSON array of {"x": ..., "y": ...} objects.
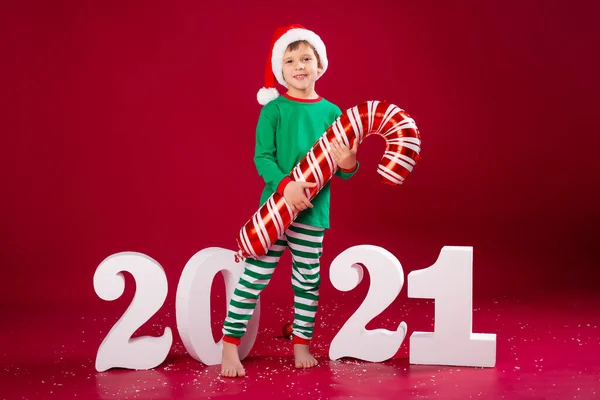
[{"x": 449, "y": 281}]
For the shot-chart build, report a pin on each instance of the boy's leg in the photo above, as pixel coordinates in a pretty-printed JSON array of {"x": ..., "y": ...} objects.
[
  {"x": 306, "y": 245},
  {"x": 255, "y": 278}
]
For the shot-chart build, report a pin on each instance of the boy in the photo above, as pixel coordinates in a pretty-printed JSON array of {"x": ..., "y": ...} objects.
[{"x": 287, "y": 128}]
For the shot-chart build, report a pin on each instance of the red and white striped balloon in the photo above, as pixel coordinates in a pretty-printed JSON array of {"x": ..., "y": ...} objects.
[{"x": 371, "y": 118}]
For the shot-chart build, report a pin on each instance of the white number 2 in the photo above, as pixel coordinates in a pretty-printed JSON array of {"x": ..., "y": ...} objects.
[
  {"x": 118, "y": 349},
  {"x": 387, "y": 279}
]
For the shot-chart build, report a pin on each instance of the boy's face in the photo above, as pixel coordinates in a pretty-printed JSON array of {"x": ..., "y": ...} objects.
[{"x": 300, "y": 68}]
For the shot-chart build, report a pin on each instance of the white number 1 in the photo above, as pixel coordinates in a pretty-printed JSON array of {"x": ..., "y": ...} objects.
[{"x": 450, "y": 282}]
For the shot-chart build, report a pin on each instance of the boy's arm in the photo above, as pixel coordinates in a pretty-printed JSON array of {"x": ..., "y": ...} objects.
[
  {"x": 344, "y": 173},
  {"x": 347, "y": 173},
  {"x": 264, "y": 153}
]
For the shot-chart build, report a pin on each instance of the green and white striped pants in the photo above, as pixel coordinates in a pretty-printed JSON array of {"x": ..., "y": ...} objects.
[{"x": 306, "y": 246}]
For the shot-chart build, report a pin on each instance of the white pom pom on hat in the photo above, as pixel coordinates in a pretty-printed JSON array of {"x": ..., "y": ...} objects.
[
  {"x": 266, "y": 95},
  {"x": 283, "y": 37}
]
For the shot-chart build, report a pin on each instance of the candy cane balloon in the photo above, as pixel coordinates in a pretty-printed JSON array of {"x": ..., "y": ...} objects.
[{"x": 371, "y": 118}]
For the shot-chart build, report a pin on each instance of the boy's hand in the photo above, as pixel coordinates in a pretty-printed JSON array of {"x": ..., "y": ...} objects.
[
  {"x": 343, "y": 156},
  {"x": 295, "y": 196}
]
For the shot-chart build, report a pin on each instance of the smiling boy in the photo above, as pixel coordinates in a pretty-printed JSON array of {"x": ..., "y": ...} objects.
[{"x": 287, "y": 128}]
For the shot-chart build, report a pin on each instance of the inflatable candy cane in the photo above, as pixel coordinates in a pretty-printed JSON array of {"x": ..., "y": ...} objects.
[{"x": 371, "y": 118}]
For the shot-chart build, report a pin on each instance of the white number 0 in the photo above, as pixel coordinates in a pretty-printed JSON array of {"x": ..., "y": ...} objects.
[{"x": 448, "y": 281}]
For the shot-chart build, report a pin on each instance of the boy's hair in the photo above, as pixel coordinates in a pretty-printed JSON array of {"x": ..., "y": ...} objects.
[{"x": 294, "y": 45}]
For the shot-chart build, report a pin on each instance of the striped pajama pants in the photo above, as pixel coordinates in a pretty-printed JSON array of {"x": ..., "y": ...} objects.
[{"x": 306, "y": 246}]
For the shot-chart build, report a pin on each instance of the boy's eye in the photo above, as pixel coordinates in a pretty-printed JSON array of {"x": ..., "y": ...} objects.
[{"x": 306, "y": 58}]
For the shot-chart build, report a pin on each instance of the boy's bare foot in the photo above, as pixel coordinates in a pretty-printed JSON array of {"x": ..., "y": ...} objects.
[
  {"x": 303, "y": 357},
  {"x": 231, "y": 366}
]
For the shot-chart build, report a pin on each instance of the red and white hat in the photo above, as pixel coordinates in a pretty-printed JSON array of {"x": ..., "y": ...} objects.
[{"x": 283, "y": 37}]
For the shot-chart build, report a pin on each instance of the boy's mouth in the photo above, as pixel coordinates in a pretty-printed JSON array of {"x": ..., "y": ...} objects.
[{"x": 300, "y": 77}]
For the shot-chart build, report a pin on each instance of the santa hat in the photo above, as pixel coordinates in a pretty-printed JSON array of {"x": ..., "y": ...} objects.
[{"x": 283, "y": 37}]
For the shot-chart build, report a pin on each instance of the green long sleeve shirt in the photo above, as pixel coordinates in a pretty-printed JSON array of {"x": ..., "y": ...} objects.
[{"x": 287, "y": 129}]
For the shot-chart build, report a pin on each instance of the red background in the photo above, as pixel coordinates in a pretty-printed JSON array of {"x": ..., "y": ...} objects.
[{"x": 129, "y": 126}]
